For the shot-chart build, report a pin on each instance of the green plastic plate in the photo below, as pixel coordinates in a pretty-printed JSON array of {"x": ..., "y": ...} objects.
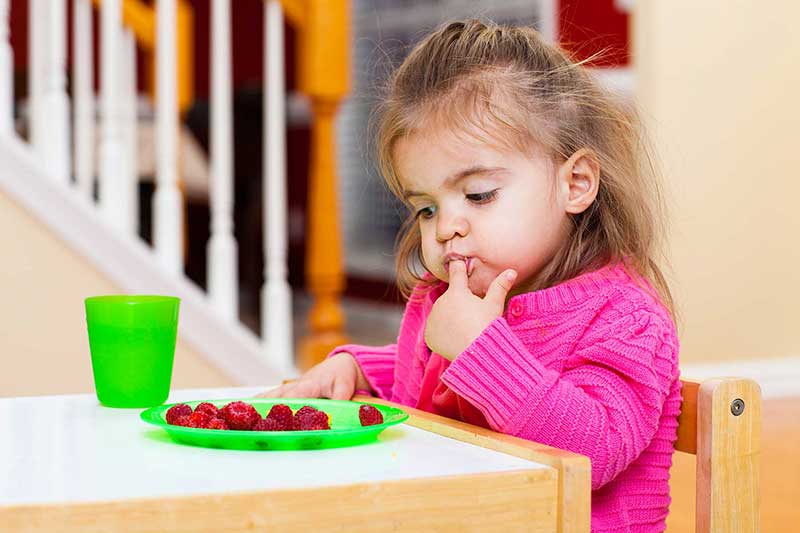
[{"x": 346, "y": 429}]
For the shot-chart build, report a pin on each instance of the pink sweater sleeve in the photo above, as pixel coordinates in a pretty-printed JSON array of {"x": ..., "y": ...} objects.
[
  {"x": 377, "y": 364},
  {"x": 605, "y": 405}
]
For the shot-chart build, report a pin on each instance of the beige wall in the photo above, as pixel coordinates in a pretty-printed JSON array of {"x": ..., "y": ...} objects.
[
  {"x": 719, "y": 80},
  {"x": 43, "y": 343}
]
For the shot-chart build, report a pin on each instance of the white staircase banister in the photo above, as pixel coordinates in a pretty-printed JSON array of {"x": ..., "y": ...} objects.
[
  {"x": 112, "y": 151},
  {"x": 56, "y": 104},
  {"x": 36, "y": 45},
  {"x": 129, "y": 172},
  {"x": 212, "y": 318},
  {"x": 276, "y": 296},
  {"x": 131, "y": 266},
  {"x": 49, "y": 103},
  {"x": 167, "y": 202},
  {"x": 83, "y": 98},
  {"x": 223, "y": 285},
  {"x": 6, "y": 73}
]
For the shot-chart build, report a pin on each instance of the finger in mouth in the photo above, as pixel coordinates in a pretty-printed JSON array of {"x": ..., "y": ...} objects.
[{"x": 468, "y": 264}]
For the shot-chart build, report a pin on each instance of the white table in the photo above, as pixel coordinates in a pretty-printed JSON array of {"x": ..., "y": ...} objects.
[{"x": 67, "y": 463}]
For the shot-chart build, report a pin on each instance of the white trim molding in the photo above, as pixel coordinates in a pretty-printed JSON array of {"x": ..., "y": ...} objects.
[
  {"x": 131, "y": 265},
  {"x": 778, "y": 377},
  {"x": 619, "y": 79}
]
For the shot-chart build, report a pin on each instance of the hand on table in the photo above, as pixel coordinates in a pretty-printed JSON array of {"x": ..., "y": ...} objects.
[{"x": 337, "y": 377}]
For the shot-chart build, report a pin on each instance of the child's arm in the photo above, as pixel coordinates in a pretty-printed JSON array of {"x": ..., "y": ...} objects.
[
  {"x": 606, "y": 405},
  {"x": 353, "y": 367},
  {"x": 376, "y": 363}
]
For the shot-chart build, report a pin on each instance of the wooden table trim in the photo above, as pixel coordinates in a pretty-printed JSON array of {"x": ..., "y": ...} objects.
[
  {"x": 520, "y": 500},
  {"x": 574, "y": 470}
]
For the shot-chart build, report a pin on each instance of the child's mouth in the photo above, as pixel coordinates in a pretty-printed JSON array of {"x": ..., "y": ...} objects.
[{"x": 470, "y": 265}]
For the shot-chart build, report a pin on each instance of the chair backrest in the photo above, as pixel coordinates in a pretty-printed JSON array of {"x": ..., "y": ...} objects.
[{"x": 720, "y": 423}]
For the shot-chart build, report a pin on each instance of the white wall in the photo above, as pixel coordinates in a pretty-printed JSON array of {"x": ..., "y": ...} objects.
[
  {"x": 43, "y": 344},
  {"x": 719, "y": 80}
]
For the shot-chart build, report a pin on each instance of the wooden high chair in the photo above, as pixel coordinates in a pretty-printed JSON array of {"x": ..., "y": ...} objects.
[{"x": 720, "y": 423}]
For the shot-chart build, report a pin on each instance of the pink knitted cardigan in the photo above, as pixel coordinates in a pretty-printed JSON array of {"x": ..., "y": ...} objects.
[{"x": 590, "y": 366}]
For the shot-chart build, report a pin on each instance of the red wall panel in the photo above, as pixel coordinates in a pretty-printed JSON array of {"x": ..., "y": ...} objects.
[{"x": 588, "y": 27}]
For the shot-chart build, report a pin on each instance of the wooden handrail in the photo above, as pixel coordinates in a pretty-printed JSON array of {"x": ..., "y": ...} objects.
[
  {"x": 140, "y": 18},
  {"x": 323, "y": 76},
  {"x": 295, "y": 11},
  {"x": 185, "y": 51}
]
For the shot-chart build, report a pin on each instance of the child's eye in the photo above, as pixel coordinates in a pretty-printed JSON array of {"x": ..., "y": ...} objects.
[
  {"x": 426, "y": 212},
  {"x": 482, "y": 197}
]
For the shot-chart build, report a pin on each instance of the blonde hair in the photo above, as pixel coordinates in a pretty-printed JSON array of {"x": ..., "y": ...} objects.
[{"x": 513, "y": 88}]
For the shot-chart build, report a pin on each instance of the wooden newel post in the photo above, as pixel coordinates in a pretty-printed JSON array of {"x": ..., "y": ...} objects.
[{"x": 324, "y": 76}]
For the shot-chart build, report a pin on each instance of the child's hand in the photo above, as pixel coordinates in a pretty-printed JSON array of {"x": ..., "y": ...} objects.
[
  {"x": 337, "y": 377},
  {"x": 458, "y": 316}
]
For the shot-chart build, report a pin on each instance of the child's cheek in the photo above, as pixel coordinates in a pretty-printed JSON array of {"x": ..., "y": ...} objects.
[{"x": 434, "y": 264}]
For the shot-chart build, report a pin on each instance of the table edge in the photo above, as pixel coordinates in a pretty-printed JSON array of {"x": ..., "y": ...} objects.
[{"x": 574, "y": 470}]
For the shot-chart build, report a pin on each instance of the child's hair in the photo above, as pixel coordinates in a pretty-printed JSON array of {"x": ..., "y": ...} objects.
[{"x": 522, "y": 93}]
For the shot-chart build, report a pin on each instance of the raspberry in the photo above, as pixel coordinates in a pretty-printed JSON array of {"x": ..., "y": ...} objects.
[
  {"x": 209, "y": 409},
  {"x": 369, "y": 416},
  {"x": 182, "y": 421},
  {"x": 177, "y": 411},
  {"x": 305, "y": 410},
  {"x": 310, "y": 420},
  {"x": 269, "y": 424},
  {"x": 240, "y": 415},
  {"x": 319, "y": 420},
  {"x": 198, "y": 419},
  {"x": 216, "y": 423},
  {"x": 282, "y": 416},
  {"x": 299, "y": 417}
]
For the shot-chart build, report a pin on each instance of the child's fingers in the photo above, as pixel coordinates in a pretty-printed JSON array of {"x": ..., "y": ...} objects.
[
  {"x": 295, "y": 389},
  {"x": 341, "y": 389},
  {"x": 500, "y": 286},
  {"x": 303, "y": 389},
  {"x": 457, "y": 272},
  {"x": 272, "y": 393}
]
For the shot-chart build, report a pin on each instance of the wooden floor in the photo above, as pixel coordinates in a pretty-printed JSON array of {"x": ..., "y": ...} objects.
[{"x": 780, "y": 473}]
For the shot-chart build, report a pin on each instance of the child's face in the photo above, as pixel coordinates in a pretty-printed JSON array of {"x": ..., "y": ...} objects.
[{"x": 494, "y": 209}]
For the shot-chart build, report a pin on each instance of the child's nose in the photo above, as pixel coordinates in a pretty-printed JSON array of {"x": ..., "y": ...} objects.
[{"x": 448, "y": 226}]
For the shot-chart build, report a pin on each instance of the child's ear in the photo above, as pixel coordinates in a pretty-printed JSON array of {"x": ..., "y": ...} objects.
[{"x": 579, "y": 179}]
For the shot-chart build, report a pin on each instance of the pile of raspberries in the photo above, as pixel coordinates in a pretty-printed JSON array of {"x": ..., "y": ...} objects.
[{"x": 244, "y": 417}]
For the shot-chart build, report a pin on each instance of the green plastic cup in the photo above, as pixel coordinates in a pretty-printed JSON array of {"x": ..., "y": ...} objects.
[{"x": 132, "y": 342}]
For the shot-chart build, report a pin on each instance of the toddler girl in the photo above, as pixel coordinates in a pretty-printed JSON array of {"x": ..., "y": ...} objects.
[{"x": 542, "y": 311}]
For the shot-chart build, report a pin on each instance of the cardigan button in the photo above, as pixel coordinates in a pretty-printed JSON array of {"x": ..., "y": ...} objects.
[{"x": 516, "y": 309}]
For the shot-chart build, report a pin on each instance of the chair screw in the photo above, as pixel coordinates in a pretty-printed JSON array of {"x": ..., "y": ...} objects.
[{"x": 737, "y": 406}]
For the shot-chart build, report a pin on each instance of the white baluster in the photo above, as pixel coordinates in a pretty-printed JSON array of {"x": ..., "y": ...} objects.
[
  {"x": 548, "y": 20},
  {"x": 167, "y": 203},
  {"x": 112, "y": 150},
  {"x": 129, "y": 207},
  {"x": 6, "y": 74},
  {"x": 52, "y": 136},
  {"x": 276, "y": 295},
  {"x": 222, "y": 250},
  {"x": 83, "y": 97},
  {"x": 37, "y": 11}
]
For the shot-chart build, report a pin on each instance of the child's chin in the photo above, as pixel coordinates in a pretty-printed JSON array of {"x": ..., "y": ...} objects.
[{"x": 478, "y": 287}]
